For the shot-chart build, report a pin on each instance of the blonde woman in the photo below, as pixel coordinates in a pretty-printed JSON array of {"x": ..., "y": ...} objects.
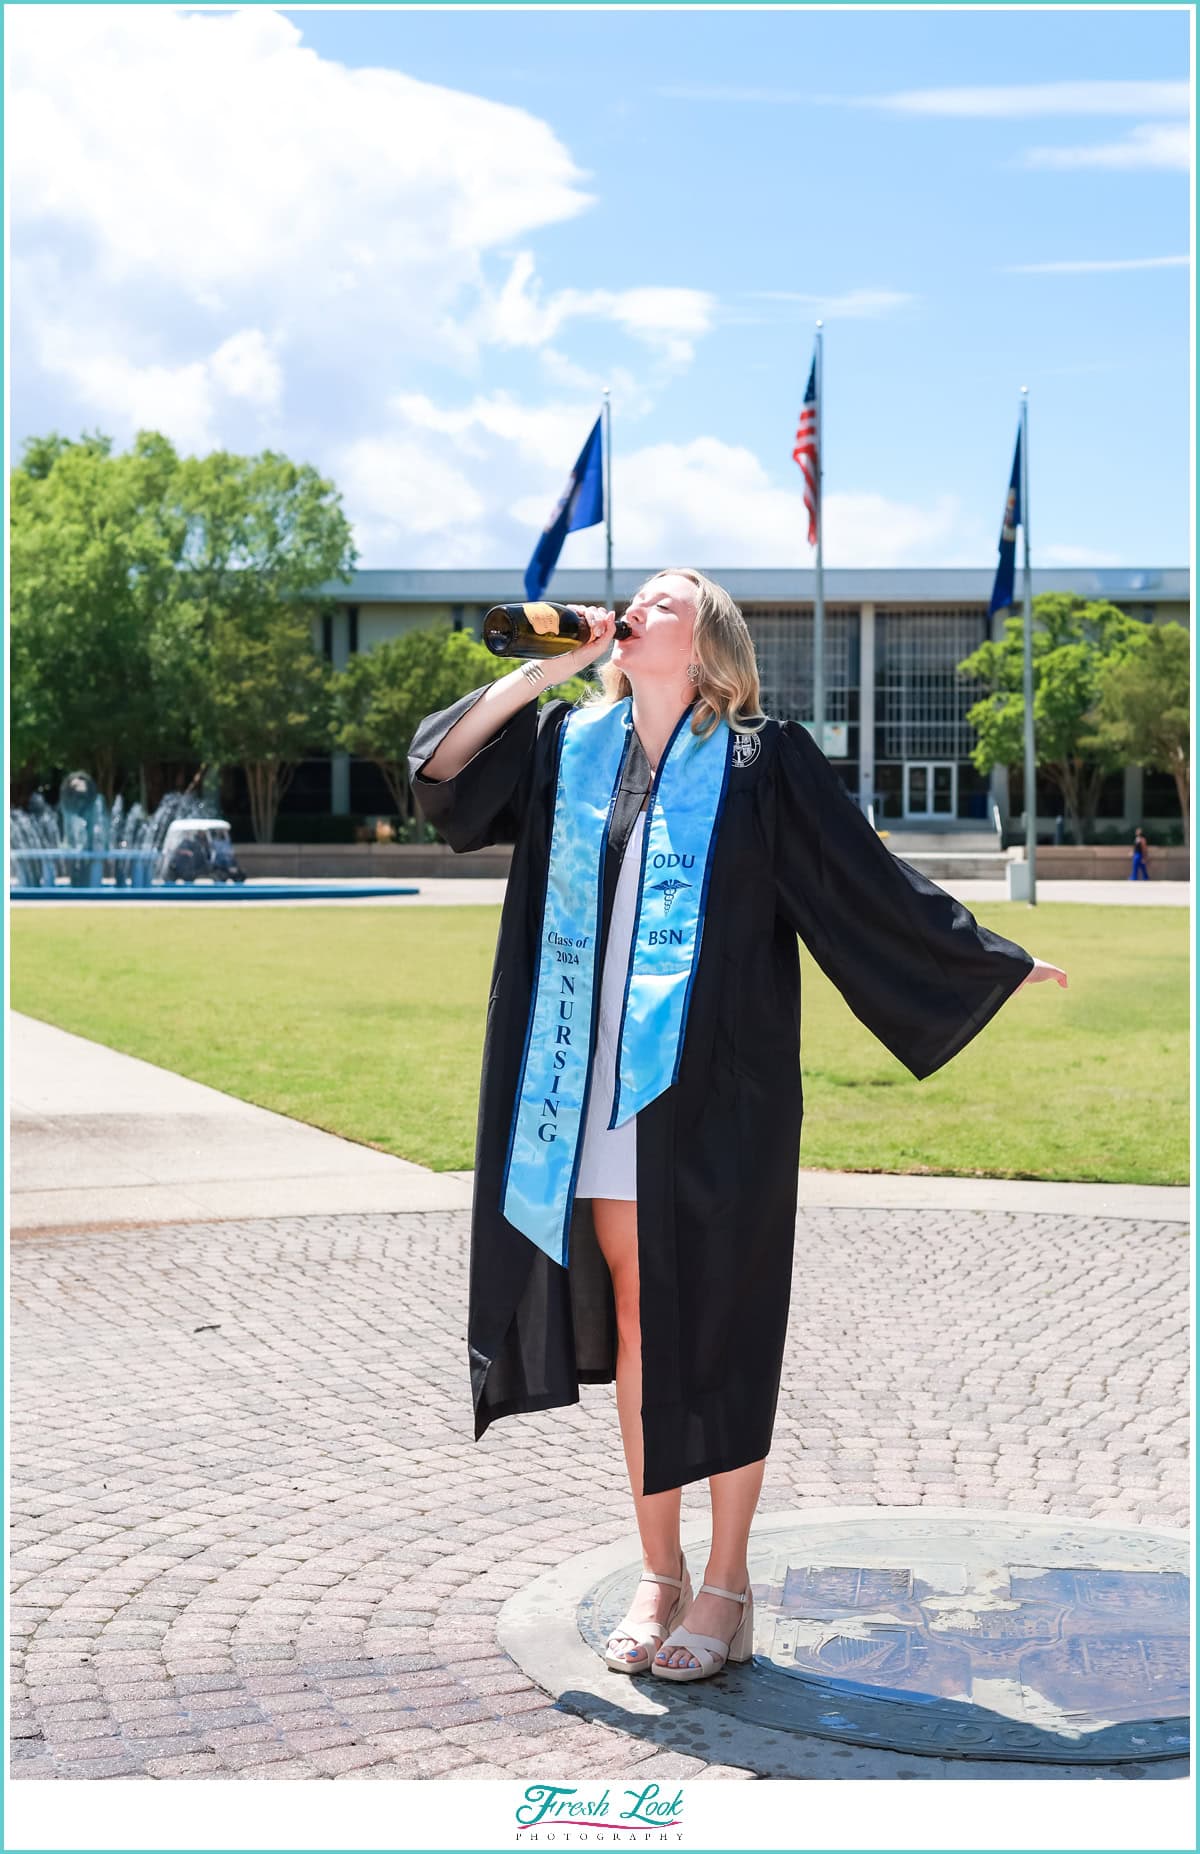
[{"x": 638, "y": 1142}]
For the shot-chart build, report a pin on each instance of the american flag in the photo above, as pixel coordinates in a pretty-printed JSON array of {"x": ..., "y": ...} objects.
[{"x": 805, "y": 452}]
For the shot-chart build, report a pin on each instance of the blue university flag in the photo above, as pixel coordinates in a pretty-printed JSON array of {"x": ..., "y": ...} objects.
[
  {"x": 1002, "y": 590},
  {"x": 581, "y": 505}
]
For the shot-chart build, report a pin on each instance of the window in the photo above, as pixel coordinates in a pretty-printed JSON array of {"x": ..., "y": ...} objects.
[
  {"x": 783, "y": 645},
  {"x": 920, "y": 699}
]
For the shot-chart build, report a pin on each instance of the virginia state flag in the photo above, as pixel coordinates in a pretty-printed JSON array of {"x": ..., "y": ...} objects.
[
  {"x": 1002, "y": 590},
  {"x": 581, "y": 505}
]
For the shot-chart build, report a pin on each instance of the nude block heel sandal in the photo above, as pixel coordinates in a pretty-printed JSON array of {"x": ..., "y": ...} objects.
[
  {"x": 647, "y": 1635},
  {"x": 711, "y": 1652}
]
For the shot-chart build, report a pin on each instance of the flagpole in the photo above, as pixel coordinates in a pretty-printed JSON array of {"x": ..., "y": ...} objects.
[
  {"x": 819, "y": 602},
  {"x": 608, "y": 565},
  {"x": 1030, "y": 759}
]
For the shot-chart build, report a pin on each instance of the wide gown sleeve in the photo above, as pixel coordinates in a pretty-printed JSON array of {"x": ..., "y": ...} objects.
[
  {"x": 913, "y": 963},
  {"x": 484, "y": 802}
]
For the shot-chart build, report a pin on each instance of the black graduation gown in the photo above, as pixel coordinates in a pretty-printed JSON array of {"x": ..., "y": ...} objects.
[{"x": 718, "y": 1152}]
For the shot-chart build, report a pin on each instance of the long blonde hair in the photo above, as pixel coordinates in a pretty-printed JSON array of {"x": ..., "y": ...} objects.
[{"x": 727, "y": 688}]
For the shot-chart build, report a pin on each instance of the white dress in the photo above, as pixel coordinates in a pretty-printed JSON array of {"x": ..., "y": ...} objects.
[{"x": 608, "y": 1160}]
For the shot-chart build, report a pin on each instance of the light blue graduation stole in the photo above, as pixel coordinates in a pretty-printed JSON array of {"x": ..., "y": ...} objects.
[{"x": 686, "y": 799}]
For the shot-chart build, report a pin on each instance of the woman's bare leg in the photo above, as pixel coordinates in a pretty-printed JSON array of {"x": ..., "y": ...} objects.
[
  {"x": 657, "y": 1514},
  {"x": 734, "y": 1499}
]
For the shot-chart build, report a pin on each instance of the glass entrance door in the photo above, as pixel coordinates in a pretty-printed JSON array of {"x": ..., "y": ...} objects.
[{"x": 930, "y": 789}]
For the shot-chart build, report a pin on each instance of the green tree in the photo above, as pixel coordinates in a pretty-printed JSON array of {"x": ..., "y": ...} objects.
[
  {"x": 1142, "y": 715},
  {"x": 266, "y": 704},
  {"x": 382, "y": 694},
  {"x": 152, "y": 599},
  {"x": 100, "y": 630},
  {"x": 1076, "y": 643},
  {"x": 39, "y": 455},
  {"x": 262, "y": 532}
]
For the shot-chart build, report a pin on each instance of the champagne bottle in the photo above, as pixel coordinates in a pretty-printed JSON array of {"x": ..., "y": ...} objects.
[{"x": 538, "y": 629}]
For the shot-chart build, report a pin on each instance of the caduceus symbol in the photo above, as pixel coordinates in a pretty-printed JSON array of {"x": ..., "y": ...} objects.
[{"x": 669, "y": 889}]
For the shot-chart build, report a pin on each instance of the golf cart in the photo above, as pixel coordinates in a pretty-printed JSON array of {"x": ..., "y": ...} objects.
[{"x": 195, "y": 847}]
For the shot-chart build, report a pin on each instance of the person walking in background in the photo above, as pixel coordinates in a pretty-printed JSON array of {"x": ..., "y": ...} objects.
[{"x": 1140, "y": 846}]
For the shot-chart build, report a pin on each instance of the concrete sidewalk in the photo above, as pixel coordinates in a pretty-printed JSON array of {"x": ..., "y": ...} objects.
[{"x": 100, "y": 1139}]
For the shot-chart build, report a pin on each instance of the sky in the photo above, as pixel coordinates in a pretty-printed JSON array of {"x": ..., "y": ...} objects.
[{"x": 411, "y": 247}]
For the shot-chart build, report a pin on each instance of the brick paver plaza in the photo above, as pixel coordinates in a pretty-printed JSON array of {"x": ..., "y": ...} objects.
[{"x": 252, "y": 1535}]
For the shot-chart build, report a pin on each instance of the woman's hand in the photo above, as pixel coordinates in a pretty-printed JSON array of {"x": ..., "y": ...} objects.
[
  {"x": 600, "y": 624},
  {"x": 1043, "y": 971}
]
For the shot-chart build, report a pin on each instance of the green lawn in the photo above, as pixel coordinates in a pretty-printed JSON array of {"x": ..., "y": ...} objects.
[{"x": 369, "y": 1021}]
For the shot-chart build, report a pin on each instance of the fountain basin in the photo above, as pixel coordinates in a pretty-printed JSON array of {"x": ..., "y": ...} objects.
[{"x": 215, "y": 891}]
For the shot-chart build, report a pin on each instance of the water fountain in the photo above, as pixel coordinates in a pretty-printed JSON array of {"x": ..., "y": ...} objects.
[
  {"x": 86, "y": 842},
  {"x": 83, "y": 849}
]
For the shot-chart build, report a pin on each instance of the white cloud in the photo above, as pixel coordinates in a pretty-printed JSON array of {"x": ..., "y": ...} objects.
[
  {"x": 1064, "y": 555},
  {"x": 1115, "y": 97},
  {"x": 667, "y": 320},
  {"x": 439, "y": 484},
  {"x": 561, "y": 371},
  {"x": 247, "y": 367},
  {"x": 204, "y": 174},
  {"x": 207, "y": 181},
  {"x": 184, "y": 144},
  {"x": 851, "y": 305},
  {"x": 1148, "y": 145},
  {"x": 475, "y": 483},
  {"x": 184, "y": 398},
  {"x": 174, "y": 399},
  {"x": 1091, "y": 97},
  {"x": 1070, "y": 266},
  {"x": 708, "y": 500},
  {"x": 545, "y": 435},
  {"x": 408, "y": 503}
]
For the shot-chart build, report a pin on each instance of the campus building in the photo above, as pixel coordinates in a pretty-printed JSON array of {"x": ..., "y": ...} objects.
[{"x": 895, "y": 705}]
